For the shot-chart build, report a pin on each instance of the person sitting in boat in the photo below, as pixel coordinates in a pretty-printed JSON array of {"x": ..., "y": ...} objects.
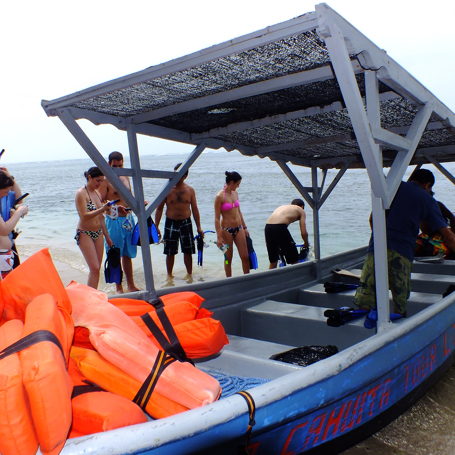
[
  {"x": 229, "y": 223},
  {"x": 7, "y": 226},
  {"x": 7, "y": 204},
  {"x": 412, "y": 204},
  {"x": 278, "y": 237},
  {"x": 91, "y": 229},
  {"x": 180, "y": 204},
  {"x": 430, "y": 243}
]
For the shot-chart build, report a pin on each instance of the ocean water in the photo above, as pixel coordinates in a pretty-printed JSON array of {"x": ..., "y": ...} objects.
[
  {"x": 424, "y": 429},
  {"x": 52, "y": 217}
]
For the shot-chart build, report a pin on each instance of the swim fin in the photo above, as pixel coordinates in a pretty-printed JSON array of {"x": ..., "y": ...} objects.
[
  {"x": 200, "y": 249},
  {"x": 303, "y": 253},
  {"x": 113, "y": 272},
  {"x": 152, "y": 233},
  {"x": 200, "y": 246},
  {"x": 332, "y": 287},
  {"x": 339, "y": 316},
  {"x": 251, "y": 254}
]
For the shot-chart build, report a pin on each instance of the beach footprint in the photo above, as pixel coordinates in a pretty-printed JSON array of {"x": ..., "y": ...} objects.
[{"x": 188, "y": 278}]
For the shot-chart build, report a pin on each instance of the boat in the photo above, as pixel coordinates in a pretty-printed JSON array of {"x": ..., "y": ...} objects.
[{"x": 311, "y": 92}]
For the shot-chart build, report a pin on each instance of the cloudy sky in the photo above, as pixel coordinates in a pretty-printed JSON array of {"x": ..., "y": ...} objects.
[{"x": 51, "y": 48}]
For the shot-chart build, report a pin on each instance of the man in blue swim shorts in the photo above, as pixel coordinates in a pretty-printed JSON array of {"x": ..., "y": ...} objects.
[
  {"x": 120, "y": 223},
  {"x": 180, "y": 203}
]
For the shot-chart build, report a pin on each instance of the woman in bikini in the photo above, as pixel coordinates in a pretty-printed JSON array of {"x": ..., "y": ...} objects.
[
  {"x": 91, "y": 227},
  {"x": 6, "y": 227},
  {"x": 231, "y": 228}
]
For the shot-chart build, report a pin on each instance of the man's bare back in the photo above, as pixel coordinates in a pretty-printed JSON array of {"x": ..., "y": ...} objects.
[{"x": 286, "y": 214}]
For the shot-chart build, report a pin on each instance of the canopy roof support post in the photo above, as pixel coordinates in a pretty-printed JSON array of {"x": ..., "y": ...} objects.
[
  {"x": 316, "y": 199},
  {"x": 381, "y": 268},
  {"x": 371, "y": 154},
  {"x": 141, "y": 212},
  {"x": 380, "y": 263}
]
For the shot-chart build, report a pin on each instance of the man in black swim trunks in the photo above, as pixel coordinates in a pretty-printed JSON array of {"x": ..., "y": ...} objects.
[
  {"x": 278, "y": 237},
  {"x": 180, "y": 204}
]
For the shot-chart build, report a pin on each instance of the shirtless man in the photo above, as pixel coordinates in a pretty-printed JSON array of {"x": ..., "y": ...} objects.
[
  {"x": 278, "y": 237},
  {"x": 120, "y": 223},
  {"x": 180, "y": 203}
]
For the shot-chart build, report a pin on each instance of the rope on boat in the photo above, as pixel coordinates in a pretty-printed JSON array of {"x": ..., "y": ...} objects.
[{"x": 230, "y": 385}]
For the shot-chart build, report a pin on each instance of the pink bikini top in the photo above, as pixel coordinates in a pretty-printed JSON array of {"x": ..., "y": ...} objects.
[{"x": 228, "y": 205}]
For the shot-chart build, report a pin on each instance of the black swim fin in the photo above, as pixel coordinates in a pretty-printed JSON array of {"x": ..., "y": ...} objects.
[
  {"x": 251, "y": 254},
  {"x": 332, "y": 287},
  {"x": 339, "y": 316},
  {"x": 200, "y": 249},
  {"x": 303, "y": 253},
  {"x": 113, "y": 272}
]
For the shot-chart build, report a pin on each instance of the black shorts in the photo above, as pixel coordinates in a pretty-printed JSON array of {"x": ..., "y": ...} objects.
[
  {"x": 278, "y": 237},
  {"x": 175, "y": 230}
]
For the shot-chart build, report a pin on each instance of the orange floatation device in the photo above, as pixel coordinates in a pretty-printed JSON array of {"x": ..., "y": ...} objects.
[
  {"x": 120, "y": 361},
  {"x": 120, "y": 341}
]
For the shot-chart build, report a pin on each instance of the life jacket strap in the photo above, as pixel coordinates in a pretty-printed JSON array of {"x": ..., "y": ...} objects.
[
  {"x": 145, "y": 392},
  {"x": 252, "y": 412},
  {"x": 171, "y": 344},
  {"x": 29, "y": 340}
]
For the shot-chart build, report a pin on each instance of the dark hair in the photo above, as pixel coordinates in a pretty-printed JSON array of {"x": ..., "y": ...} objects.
[
  {"x": 117, "y": 156},
  {"x": 298, "y": 202},
  {"x": 93, "y": 172},
  {"x": 176, "y": 168},
  {"x": 422, "y": 176},
  {"x": 232, "y": 177},
  {"x": 5, "y": 181}
]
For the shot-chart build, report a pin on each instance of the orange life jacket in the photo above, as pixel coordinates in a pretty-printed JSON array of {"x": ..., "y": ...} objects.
[
  {"x": 36, "y": 276},
  {"x": 17, "y": 432},
  {"x": 45, "y": 377},
  {"x": 115, "y": 380},
  {"x": 118, "y": 339}
]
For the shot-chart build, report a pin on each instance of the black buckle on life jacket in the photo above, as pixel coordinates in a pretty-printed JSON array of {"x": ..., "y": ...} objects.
[{"x": 172, "y": 347}]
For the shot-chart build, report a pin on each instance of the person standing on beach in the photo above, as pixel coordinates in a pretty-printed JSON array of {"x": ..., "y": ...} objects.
[
  {"x": 231, "y": 228},
  {"x": 6, "y": 226},
  {"x": 7, "y": 204},
  {"x": 91, "y": 229},
  {"x": 278, "y": 237},
  {"x": 120, "y": 223},
  {"x": 180, "y": 204}
]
